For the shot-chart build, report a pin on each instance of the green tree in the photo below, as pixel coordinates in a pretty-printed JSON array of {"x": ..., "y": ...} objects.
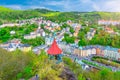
[{"x": 82, "y": 42}]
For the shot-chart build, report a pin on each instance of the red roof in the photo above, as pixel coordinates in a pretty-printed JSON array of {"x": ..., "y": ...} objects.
[{"x": 54, "y": 49}]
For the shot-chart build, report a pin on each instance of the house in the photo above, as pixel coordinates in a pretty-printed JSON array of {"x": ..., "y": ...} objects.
[
  {"x": 38, "y": 49},
  {"x": 119, "y": 54},
  {"x": 65, "y": 48},
  {"x": 12, "y": 32},
  {"x": 8, "y": 46},
  {"x": 76, "y": 41},
  {"x": 108, "y": 22},
  {"x": 69, "y": 22},
  {"x": 99, "y": 50},
  {"x": 25, "y": 47},
  {"x": 111, "y": 53},
  {"x": 27, "y": 36},
  {"x": 87, "y": 51},
  {"x": 77, "y": 52},
  {"x": 109, "y": 30},
  {"x": 81, "y": 51},
  {"x": 15, "y": 44},
  {"x": 84, "y": 52},
  {"x": 48, "y": 40},
  {"x": 39, "y": 32},
  {"x": 93, "y": 51},
  {"x": 91, "y": 34},
  {"x": 75, "y": 34},
  {"x": 67, "y": 29},
  {"x": 77, "y": 28},
  {"x": 30, "y": 36},
  {"x": 15, "y": 41},
  {"x": 43, "y": 33},
  {"x": 9, "y": 25}
]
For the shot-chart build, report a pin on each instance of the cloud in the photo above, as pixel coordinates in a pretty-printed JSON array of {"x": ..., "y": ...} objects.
[
  {"x": 112, "y": 5},
  {"x": 14, "y": 6},
  {"x": 70, "y": 5},
  {"x": 21, "y": 7},
  {"x": 56, "y": 3}
]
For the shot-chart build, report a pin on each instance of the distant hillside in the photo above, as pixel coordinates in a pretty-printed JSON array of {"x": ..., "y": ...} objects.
[
  {"x": 43, "y": 10},
  {"x": 92, "y": 17},
  {"x": 4, "y": 9},
  {"x": 9, "y": 15}
]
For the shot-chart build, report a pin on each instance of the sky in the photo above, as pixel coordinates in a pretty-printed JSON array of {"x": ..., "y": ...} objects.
[{"x": 65, "y": 5}]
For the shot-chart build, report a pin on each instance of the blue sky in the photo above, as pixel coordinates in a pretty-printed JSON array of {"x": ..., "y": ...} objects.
[{"x": 65, "y": 5}]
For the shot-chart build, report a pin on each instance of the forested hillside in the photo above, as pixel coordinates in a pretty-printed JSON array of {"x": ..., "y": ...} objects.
[{"x": 9, "y": 15}]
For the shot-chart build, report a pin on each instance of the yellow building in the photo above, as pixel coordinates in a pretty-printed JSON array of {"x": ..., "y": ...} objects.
[{"x": 26, "y": 48}]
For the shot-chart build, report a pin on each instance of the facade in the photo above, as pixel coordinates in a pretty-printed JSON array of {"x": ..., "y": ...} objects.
[
  {"x": 25, "y": 48},
  {"x": 10, "y": 25},
  {"x": 90, "y": 34},
  {"x": 109, "y": 30},
  {"x": 112, "y": 53},
  {"x": 48, "y": 40},
  {"x": 108, "y": 52},
  {"x": 99, "y": 50},
  {"x": 16, "y": 44},
  {"x": 108, "y": 22},
  {"x": 12, "y": 32}
]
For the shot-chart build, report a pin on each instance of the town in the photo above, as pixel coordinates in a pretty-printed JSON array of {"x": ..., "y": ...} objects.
[
  {"x": 43, "y": 42},
  {"x": 57, "y": 32}
]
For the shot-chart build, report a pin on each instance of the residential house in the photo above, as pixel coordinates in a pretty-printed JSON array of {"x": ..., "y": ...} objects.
[
  {"x": 12, "y": 32},
  {"x": 108, "y": 22},
  {"x": 12, "y": 46},
  {"x": 99, "y": 50},
  {"x": 109, "y": 30},
  {"x": 69, "y": 22},
  {"x": 9, "y": 25},
  {"x": 91, "y": 34},
  {"x": 111, "y": 53},
  {"x": 119, "y": 54},
  {"x": 25, "y": 47},
  {"x": 48, "y": 40},
  {"x": 37, "y": 50},
  {"x": 84, "y": 52},
  {"x": 77, "y": 52}
]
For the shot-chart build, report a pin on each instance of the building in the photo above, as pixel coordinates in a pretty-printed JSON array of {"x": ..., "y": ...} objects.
[
  {"x": 111, "y": 53},
  {"x": 55, "y": 51},
  {"x": 99, "y": 50},
  {"x": 91, "y": 34},
  {"x": 12, "y": 32},
  {"x": 15, "y": 44},
  {"x": 48, "y": 40},
  {"x": 108, "y": 22},
  {"x": 25, "y": 47},
  {"x": 37, "y": 50},
  {"x": 109, "y": 30}
]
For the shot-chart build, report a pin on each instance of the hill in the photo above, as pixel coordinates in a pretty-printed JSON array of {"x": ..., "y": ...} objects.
[
  {"x": 9, "y": 15},
  {"x": 5, "y": 9},
  {"x": 43, "y": 10}
]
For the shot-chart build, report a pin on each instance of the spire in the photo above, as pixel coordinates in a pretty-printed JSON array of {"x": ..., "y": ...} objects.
[{"x": 54, "y": 49}]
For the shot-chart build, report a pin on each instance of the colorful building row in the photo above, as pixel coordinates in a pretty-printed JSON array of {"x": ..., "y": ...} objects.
[{"x": 108, "y": 52}]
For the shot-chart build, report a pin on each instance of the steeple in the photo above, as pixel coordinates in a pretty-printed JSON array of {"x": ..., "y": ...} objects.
[{"x": 54, "y": 49}]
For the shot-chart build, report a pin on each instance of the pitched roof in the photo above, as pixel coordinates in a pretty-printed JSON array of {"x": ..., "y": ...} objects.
[{"x": 54, "y": 49}]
